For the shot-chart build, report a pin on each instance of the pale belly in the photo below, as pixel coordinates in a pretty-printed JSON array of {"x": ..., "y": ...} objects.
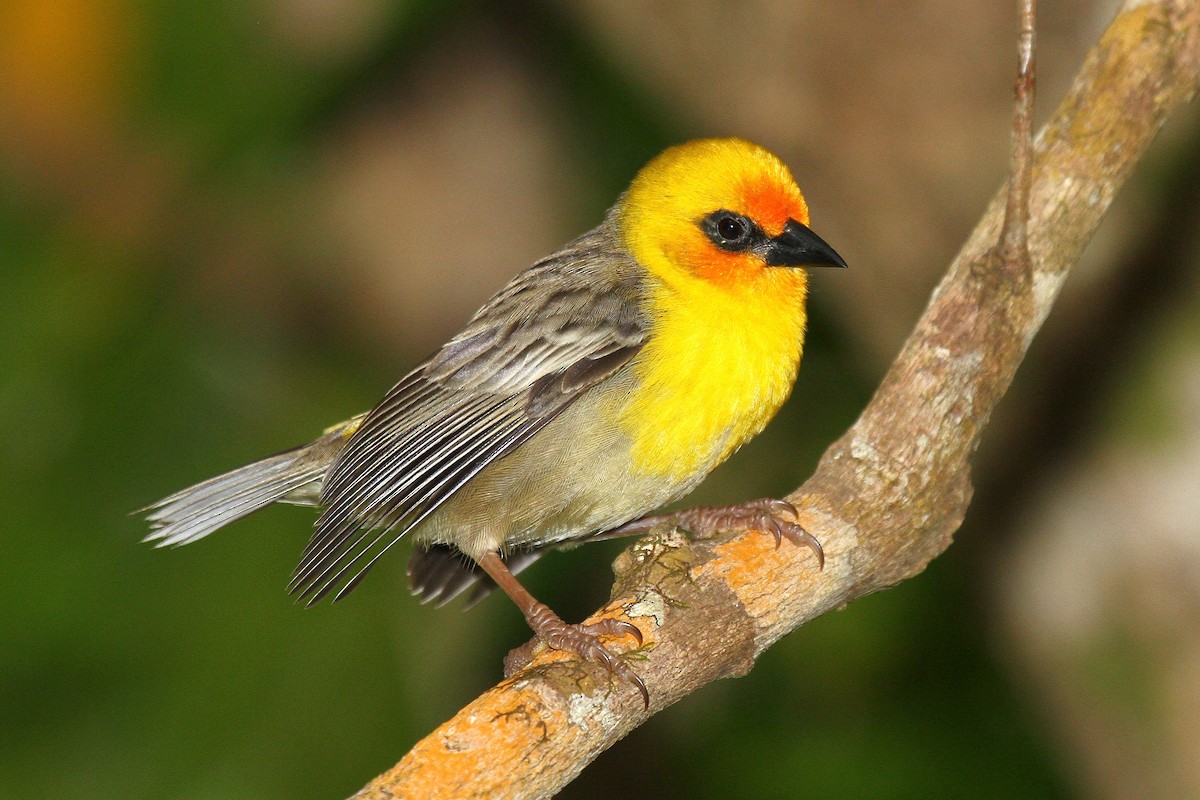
[{"x": 572, "y": 479}]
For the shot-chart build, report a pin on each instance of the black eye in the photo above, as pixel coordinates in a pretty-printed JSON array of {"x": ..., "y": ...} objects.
[
  {"x": 731, "y": 228},
  {"x": 730, "y": 231}
]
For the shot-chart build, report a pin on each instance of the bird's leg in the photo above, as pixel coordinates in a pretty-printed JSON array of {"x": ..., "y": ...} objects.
[
  {"x": 582, "y": 640},
  {"x": 776, "y": 517}
]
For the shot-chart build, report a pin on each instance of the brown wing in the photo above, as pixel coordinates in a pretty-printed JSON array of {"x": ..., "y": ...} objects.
[{"x": 566, "y": 323}]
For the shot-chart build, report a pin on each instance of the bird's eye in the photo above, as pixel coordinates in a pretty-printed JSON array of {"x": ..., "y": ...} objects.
[
  {"x": 731, "y": 228},
  {"x": 731, "y": 231}
]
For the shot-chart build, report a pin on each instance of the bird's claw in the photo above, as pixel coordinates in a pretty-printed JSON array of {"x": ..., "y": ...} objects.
[
  {"x": 583, "y": 640},
  {"x": 767, "y": 514}
]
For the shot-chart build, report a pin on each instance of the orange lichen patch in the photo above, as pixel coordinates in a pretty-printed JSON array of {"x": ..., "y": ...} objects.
[
  {"x": 469, "y": 755},
  {"x": 741, "y": 564}
]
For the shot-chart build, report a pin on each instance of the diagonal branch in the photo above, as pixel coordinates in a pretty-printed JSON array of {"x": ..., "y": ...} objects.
[{"x": 886, "y": 498}]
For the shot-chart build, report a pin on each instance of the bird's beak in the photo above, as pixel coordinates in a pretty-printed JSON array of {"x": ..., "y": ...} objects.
[{"x": 797, "y": 246}]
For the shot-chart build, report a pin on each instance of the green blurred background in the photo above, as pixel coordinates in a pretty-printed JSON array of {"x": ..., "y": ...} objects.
[{"x": 224, "y": 226}]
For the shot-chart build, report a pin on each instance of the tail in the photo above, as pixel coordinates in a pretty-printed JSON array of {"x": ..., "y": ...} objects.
[{"x": 293, "y": 476}]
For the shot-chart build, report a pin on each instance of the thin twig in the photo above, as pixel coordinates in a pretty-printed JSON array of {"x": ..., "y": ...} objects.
[{"x": 1014, "y": 239}]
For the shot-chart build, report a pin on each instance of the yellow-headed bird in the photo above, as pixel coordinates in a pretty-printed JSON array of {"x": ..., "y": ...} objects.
[{"x": 604, "y": 381}]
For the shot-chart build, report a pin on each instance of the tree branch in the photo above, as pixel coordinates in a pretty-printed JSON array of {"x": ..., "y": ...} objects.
[{"x": 885, "y": 499}]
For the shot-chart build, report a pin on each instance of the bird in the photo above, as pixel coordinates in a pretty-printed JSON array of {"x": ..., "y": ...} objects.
[{"x": 603, "y": 382}]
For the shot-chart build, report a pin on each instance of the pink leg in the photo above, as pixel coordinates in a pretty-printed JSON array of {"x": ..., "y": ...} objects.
[{"x": 582, "y": 640}]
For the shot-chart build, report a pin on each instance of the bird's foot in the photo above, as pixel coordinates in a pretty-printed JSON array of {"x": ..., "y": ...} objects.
[
  {"x": 581, "y": 639},
  {"x": 776, "y": 517}
]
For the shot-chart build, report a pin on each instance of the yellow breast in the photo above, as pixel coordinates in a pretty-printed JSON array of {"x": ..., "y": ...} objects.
[{"x": 718, "y": 364}]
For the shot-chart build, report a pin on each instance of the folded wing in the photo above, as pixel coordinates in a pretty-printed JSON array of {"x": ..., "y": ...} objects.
[{"x": 565, "y": 324}]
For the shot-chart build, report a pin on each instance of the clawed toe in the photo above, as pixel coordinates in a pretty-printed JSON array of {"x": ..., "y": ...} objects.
[
  {"x": 591, "y": 648},
  {"x": 614, "y": 627},
  {"x": 798, "y": 536},
  {"x": 776, "y": 517},
  {"x": 584, "y": 641}
]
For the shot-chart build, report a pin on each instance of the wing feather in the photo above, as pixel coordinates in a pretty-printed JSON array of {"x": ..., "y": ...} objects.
[
  {"x": 406, "y": 490},
  {"x": 381, "y": 543},
  {"x": 565, "y": 324}
]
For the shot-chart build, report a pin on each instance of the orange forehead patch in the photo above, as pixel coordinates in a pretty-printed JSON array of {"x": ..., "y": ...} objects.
[{"x": 771, "y": 202}]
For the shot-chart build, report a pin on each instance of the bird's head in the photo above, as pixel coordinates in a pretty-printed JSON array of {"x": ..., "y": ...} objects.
[{"x": 723, "y": 210}]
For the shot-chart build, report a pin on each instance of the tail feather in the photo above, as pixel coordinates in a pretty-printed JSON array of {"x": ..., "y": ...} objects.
[
  {"x": 197, "y": 511},
  {"x": 293, "y": 476}
]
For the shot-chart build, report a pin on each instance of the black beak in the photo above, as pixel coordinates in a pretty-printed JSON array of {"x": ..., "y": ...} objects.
[{"x": 798, "y": 246}]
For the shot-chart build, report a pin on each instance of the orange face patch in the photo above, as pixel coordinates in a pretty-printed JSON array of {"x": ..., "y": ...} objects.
[
  {"x": 721, "y": 267},
  {"x": 768, "y": 201},
  {"x": 662, "y": 214}
]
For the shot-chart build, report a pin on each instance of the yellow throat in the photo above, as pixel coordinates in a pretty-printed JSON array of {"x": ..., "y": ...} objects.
[{"x": 726, "y": 329}]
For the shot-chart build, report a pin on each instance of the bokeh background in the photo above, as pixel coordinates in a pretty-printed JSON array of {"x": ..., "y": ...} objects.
[{"x": 226, "y": 225}]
